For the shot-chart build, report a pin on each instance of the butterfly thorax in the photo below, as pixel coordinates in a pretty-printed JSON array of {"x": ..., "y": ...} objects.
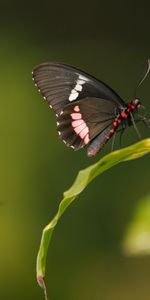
[{"x": 124, "y": 117}]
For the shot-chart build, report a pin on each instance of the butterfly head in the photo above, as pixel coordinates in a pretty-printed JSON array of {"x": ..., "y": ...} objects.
[
  {"x": 134, "y": 105},
  {"x": 137, "y": 103}
]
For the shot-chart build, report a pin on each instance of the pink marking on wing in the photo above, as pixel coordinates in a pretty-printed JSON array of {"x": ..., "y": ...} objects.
[
  {"x": 76, "y": 108},
  {"x": 84, "y": 132},
  {"x": 76, "y": 116},
  {"x": 77, "y": 123},
  {"x": 80, "y": 128},
  {"x": 86, "y": 139}
]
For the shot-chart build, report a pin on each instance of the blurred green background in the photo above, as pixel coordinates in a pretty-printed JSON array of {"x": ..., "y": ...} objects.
[{"x": 111, "y": 41}]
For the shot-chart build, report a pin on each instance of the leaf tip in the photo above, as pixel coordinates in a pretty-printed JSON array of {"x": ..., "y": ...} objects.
[
  {"x": 41, "y": 283},
  {"x": 40, "y": 280}
]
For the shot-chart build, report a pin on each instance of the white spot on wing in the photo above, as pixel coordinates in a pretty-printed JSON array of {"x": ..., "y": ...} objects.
[
  {"x": 83, "y": 78},
  {"x": 78, "y": 87},
  {"x": 80, "y": 82},
  {"x": 73, "y": 96},
  {"x": 73, "y": 91}
]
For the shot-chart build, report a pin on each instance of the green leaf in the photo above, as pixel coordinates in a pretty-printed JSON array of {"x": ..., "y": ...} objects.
[
  {"x": 83, "y": 179},
  {"x": 137, "y": 237}
]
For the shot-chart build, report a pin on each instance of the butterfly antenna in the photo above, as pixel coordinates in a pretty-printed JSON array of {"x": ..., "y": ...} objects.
[
  {"x": 134, "y": 125},
  {"x": 143, "y": 78}
]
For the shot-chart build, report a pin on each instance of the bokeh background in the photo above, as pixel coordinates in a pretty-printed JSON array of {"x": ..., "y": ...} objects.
[{"x": 111, "y": 41}]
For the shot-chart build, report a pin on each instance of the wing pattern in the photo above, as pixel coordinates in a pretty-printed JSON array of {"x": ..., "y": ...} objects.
[
  {"x": 84, "y": 106},
  {"x": 61, "y": 84},
  {"x": 80, "y": 122}
]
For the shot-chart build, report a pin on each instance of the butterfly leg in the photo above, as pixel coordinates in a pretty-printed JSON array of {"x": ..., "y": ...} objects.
[
  {"x": 121, "y": 134},
  {"x": 113, "y": 141},
  {"x": 146, "y": 122},
  {"x": 134, "y": 125}
]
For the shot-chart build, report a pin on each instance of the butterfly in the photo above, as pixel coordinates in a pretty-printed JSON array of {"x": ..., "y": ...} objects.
[{"x": 88, "y": 112}]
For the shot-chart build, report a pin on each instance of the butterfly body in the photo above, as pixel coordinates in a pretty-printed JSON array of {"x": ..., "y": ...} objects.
[
  {"x": 88, "y": 112},
  {"x": 122, "y": 119}
]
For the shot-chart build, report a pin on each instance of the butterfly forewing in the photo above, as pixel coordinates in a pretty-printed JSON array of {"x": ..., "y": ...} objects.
[{"x": 61, "y": 84}]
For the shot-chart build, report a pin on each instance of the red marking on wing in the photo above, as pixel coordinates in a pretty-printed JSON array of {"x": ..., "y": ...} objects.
[
  {"x": 79, "y": 128},
  {"x": 76, "y": 108},
  {"x": 84, "y": 132},
  {"x": 79, "y": 125},
  {"x": 76, "y": 116},
  {"x": 86, "y": 139}
]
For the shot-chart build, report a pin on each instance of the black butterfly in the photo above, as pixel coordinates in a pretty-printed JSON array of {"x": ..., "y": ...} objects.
[{"x": 88, "y": 111}]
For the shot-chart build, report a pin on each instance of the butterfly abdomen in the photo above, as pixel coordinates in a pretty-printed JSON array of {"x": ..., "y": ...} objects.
[{"x": 100, "y": 141}]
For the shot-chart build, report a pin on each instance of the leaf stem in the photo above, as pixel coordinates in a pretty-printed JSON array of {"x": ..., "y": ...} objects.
[{"x": 83, "y": 178}]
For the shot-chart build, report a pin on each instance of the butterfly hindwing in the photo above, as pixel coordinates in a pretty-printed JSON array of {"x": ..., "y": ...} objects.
[
  {"x": 80, "y": 122},
  {"x": 61, "y": 84}
]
